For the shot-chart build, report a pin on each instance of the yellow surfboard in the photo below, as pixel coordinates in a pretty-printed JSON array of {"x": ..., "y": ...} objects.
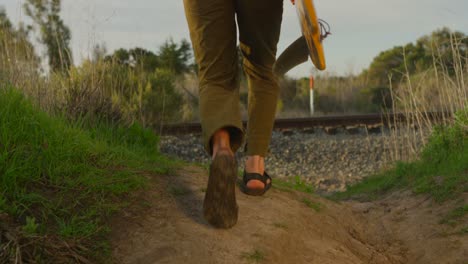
[
  {"x": 311, "y": 31},
  {"x": 308, "y": 45}
]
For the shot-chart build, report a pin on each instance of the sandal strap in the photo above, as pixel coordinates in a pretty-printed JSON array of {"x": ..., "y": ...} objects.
[
  {"x": 256, "y": 176},
  {"x": 268, "y": 185}
]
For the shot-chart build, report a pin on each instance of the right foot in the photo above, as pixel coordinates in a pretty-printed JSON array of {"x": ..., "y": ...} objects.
[
  {"x": 264, "y": 179},
  {"x": 255, "y": 165}
]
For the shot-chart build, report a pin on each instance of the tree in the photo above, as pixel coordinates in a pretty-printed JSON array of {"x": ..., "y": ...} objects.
[
  {"x": 137, "y": 58},
  {"x": 175, "y": 58},
  {"x": 144, "y": 60},
  {"x": 53, "y": 33},
  {"x": 387, "y": 63},
  {"x": 15, "y": 47},
  {"x": 5, "y": 23},
  {"x": 170, "y": 56},
  {"x": 120, "y": 56},
  {"x": 445, "y": 45}
]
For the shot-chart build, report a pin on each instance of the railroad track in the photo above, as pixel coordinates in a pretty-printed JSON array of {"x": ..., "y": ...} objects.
[{"x": 330, "y": 124}]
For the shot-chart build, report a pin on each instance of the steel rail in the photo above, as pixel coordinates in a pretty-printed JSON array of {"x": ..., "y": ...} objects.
[{"x": 393, "y": 119}]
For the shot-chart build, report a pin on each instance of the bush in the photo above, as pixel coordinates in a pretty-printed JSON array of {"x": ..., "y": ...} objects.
[
  {"x": 112, "y": 92},
  {"x": 448, "y": 142}
]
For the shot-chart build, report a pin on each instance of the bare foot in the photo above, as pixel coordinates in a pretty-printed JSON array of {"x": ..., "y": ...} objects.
[{"x": 221, "y": 143}]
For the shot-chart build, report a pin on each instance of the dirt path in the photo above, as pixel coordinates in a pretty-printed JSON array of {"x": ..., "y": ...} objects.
[{"x": 166, "y": 226}]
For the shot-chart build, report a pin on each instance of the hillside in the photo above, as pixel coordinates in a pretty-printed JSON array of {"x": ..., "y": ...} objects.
[
  {"x": 285, "y": 226},
  {"x": 79, "y": 191}
]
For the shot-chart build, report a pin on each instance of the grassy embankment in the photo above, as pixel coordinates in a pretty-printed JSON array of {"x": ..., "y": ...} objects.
[
  {"x": 441, "y": 171},
  {"x": 60, "y": 181},
  {"x": 440, "y": 167}
]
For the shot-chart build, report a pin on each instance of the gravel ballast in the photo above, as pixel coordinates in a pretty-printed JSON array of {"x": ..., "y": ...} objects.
[{"x": 329, "y": 162}]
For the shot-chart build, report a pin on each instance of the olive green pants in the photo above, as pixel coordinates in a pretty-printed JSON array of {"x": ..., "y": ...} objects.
[{"x": 213, "y": 31}]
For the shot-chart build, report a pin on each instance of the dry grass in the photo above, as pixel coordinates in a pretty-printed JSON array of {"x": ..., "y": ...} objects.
[
  {"x": 17, "y": 246},
  {"x": 434, "y": 90}
]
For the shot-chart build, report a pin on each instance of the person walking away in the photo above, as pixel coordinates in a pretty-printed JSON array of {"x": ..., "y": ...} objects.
[{"x": 213, "y": 32}]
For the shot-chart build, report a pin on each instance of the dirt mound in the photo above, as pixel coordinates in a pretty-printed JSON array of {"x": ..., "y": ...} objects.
[
  {"x": 414, "y": 221},
  {"x": 166, "y": 226}
]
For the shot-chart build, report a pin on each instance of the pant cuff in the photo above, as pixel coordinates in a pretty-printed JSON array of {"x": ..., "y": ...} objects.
[{"x": 236, "y": 135}]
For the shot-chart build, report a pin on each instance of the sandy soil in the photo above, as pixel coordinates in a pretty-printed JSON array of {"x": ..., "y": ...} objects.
[{"x": 166, "y": 226}]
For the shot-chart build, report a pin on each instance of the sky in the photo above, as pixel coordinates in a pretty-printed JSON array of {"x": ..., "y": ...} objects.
[{"x": 360, "y": 28}]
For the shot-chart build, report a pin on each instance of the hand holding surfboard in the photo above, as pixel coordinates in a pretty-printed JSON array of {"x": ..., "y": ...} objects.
[{"x": 308, "y": 45}]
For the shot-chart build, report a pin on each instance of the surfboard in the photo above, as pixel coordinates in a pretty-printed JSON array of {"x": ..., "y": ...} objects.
[
  {"x": 308, "y": 45},
  {"x": 311, "y": 31}
]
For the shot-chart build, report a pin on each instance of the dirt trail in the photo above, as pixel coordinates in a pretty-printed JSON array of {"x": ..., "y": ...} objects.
[{"x": 166, "y": 226}]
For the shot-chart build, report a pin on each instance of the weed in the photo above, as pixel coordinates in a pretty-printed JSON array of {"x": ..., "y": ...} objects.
[
  {"x": 297, "y": 184},
  {"x": 255, "y": 256},
  {"x": 31, "y": 227},
  {"x": 456, "y": 214},
  {"x": 317, "y": 206}
]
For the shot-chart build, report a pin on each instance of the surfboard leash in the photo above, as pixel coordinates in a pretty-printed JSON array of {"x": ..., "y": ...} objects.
[{"x": 324, "y": 29}]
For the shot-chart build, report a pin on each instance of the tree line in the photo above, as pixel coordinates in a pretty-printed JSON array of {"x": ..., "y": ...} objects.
[{"x": 151, "y": 87}]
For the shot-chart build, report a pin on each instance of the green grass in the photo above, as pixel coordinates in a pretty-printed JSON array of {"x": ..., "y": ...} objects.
[
  {"x": 441, "y": 170},
  {"x": 455, "y": 215},
  {"x": 30, "y": 227},
  {"x": 297, "y": 185},
  {"x": 64, "y": 179},
  {"x": 254, "y": 256},
  {"x": 314, "y": 205},
  {"x": 464, "y": 231}
]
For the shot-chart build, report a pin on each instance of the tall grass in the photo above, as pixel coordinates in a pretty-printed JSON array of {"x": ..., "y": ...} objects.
[
  {"x": 440, "y": 169},
  {"x": 430, "y": 155},
  {"x": 71, "y": 149},
  {"x": 437, "y": 89},
  {"x": 60, "y": 180},
  {"x": 101, "y": 89}
]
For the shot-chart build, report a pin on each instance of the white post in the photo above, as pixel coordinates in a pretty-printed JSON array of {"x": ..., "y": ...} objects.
[{"x": 311, "y": 85}]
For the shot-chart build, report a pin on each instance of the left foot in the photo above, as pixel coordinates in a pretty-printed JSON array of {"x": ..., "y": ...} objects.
[{"x": 220, "y": 206}]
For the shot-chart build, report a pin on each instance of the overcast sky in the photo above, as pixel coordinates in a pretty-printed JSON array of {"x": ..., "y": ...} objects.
[{"x": 360, "y": 28}]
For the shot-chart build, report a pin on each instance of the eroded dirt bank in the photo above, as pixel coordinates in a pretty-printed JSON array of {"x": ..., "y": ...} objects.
[{"x": 166, "y": 226}]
